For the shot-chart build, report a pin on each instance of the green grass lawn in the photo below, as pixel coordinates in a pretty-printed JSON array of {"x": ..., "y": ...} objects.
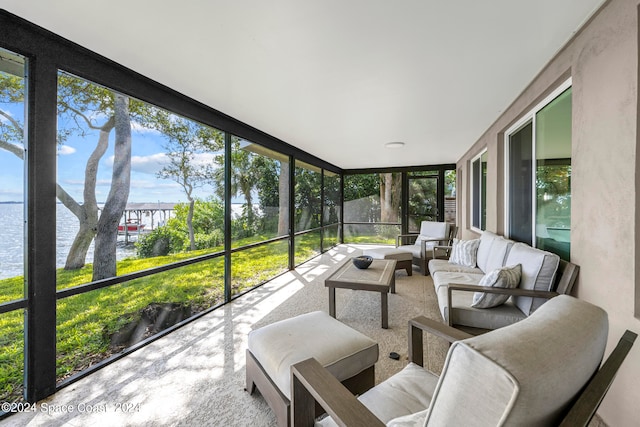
[{"x": 85, "y": 322}]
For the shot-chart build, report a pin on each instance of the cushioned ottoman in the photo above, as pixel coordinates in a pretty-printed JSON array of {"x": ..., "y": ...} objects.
[
  {"x": 402, "y": 257},
  {"x": 349, "y": 355}
]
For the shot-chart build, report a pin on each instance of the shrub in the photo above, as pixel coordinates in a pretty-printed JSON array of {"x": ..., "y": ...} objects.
[
  {"x": 161, "y": 241},
  {"x": 387, "y": 231},
  {"x": 209, "y": 240}
]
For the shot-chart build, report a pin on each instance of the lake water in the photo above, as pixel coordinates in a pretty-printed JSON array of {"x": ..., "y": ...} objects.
[{"x": 12, "y": 238}]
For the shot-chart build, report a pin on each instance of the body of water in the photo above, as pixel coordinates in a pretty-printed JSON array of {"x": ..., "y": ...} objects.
[{"x": 12, "y": 238}]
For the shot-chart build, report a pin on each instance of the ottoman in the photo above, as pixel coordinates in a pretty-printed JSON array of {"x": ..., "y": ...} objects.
[
  {"x": 349, "y": 355},
  {"x": 402, "y": 257}
]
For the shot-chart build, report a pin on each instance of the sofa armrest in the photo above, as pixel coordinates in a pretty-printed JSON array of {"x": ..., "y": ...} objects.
[
  {"x": 504, "y": 291},
  {"x": 311, "y": 383},
  {"x": 401, "y": 238},
  {"x": 421, "y": 323}
]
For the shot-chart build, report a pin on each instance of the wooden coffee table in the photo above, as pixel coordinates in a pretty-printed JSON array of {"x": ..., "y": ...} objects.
[{"x": 379, "y": 277}]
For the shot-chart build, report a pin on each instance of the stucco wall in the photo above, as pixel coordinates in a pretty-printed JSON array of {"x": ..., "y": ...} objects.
[{"x": 603, "y": 62}]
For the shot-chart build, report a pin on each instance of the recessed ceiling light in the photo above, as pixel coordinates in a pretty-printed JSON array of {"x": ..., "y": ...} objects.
[{"x": 394, "y": 144}]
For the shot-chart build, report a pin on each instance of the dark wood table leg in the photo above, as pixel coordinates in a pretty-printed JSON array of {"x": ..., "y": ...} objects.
[
  {"x": 392, "y": 286},
  {"x": 385, "y": 310},
  {"x": 332, "y": 302}
]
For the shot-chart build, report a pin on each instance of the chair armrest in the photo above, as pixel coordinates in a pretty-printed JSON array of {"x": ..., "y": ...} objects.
[
  {"x": 568, "y": 273},
  {"x": 585, "y": 407},
  {"x": 404, "y": 236},
  {"x": 423, "y": 245},
  {"x": 421, "y": 323},
  {"x": 311, "y": 383},
  {"x": 446, "y": 249}
]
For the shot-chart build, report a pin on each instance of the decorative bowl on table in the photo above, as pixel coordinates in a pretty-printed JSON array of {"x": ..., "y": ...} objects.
[{"x": 362, "y": 262}]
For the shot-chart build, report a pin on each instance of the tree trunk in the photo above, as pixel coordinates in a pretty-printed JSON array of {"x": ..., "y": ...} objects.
[
  {"x": 104, "y": 258},
  {"x": 78, "y": 251},
  {"x": 87, "y": 213},
  {"x": 396, "y": 196},
  {"x": 283, "y": 194},
  {"x": 192, "y": 238},
  {"x": 249, "y": 202},
  {"x": 386, "y": 185}
]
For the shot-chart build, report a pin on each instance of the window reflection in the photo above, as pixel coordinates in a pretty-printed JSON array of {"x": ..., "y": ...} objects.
[
  {"x": 371, "y": 199},
  {"x": 307, "y": 211},
  {"x": 135, "y": 183},
  {"x": 260, "y": 193},
  {"x": 12, "y": 215},
  {"x": 553, "y": 176}
]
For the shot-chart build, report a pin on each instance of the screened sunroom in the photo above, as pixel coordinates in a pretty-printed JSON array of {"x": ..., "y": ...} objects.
[{"x": 152, "y": 217}]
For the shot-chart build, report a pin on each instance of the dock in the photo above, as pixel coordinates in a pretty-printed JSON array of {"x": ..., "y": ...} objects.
[{"x": 136, "y": 213}]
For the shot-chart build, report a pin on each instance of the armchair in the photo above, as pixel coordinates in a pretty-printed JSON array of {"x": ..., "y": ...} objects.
[
  {"x": 421, "y": 245},
  {"x": 540, "y": 371}
]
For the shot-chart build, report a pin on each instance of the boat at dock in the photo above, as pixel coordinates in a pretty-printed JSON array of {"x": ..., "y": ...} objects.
[{"x": 130, "y": 227}]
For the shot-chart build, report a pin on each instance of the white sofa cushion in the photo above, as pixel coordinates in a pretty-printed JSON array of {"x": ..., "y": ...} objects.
[
  {"x": 498, "y": 253},
  {"x": 538, "y": 273},
  {"x": 407, "y": 392},
  {"x": 504, "y": 277},
  {"x": 436, "y": 265},
  {"x": 443, "y": 278},
  {"x": 493, "y": 251},
  {"x": 341, "y": 349},
  {"x": 486, "y": 240},
  {"x": 464, "y": 252}
]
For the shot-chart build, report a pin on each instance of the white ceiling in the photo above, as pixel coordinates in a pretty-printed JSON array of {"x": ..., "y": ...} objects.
[{"x": 336, "y": 78}]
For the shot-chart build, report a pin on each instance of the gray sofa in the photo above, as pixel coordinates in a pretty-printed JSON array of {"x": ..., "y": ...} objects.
[{"x": 543, "y": 276}]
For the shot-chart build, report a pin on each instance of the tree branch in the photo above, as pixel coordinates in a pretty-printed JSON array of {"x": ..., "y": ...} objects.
[
  {"x": 68, "y": 201},
  {"x": 13, "y": 121},
  {"x": 91, "y": 170},
  {"x": 86, "y": 119},
  {"x": 12, "y": 148}
]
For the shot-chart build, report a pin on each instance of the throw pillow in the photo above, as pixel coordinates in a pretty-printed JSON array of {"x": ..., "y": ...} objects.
[
  {"x": 505, "y": 277},
  {"x": 463, "y": 252}
]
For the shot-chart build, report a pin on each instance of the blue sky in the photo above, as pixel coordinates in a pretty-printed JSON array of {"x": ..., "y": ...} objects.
[{"x": 147, "y": 159}]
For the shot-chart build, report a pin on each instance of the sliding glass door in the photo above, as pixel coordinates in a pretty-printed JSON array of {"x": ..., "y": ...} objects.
[{"x": 539, "y": 175}]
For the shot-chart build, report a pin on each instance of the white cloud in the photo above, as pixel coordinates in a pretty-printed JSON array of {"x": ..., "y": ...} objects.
[
  {"x": 155, "y": 185},
  {"x": 150, "y": 164},
  {"x": 202, "y": 159},
  {"x": 141, "y": 129},
  {"x": 72, "y": 182},
  {"x": 65, "y": 150}
]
